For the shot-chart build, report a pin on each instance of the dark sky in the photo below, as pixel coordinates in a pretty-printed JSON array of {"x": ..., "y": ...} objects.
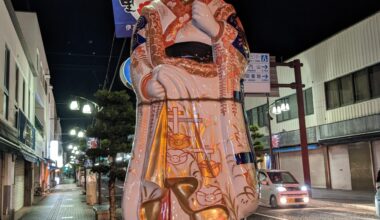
[{"x": 78, "y": 36}]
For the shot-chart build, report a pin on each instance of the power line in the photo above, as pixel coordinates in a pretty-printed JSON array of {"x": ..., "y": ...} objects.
[
  {"x": 109, "y": 61},
  {"x": 118, "y": 63}
]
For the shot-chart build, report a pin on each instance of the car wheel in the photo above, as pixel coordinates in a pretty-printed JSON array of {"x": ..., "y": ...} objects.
[{"x": 273, "y": 202}]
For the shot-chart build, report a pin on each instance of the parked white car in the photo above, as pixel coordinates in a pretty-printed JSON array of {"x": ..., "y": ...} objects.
[{"x": 278, "y": 188}]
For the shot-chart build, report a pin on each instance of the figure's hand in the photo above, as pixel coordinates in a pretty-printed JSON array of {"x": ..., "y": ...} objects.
[
  {"x": 154, "y": 89},
  {"x": 204, "y": 19}
]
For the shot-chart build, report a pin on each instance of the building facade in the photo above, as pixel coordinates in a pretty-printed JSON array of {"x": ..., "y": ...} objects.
[
  {"x": 342, "y": 107},
  {"x": 27, "y": 125}
]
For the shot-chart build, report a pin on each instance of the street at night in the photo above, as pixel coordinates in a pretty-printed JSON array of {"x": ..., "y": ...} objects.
[{"x": 189, "y": 110}]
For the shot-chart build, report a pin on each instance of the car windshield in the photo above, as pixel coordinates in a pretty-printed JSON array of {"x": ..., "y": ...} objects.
[{"x": 281, "y": 178}]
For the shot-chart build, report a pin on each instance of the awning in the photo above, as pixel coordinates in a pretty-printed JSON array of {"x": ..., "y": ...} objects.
[
  {"x": 8, "y": 146},
  {"x": 294, "y": 148},
  {"x": 28, "y": 157}
]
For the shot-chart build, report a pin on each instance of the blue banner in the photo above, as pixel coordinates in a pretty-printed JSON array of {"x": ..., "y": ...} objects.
[
  {"x": 124, "y": 20},
  {"x": 27, "y": 133}
]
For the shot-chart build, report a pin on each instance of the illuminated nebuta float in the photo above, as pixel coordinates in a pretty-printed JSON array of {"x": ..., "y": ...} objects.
[{"x": 191, "y": 154}]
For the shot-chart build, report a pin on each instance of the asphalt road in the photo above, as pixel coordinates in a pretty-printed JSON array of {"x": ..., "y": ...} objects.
[{"x": 312, "y": 213}]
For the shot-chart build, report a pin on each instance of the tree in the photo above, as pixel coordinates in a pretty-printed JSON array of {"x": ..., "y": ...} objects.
[
  {"x": 114, "y": 122},
  {"x": 256, "y": 135}
]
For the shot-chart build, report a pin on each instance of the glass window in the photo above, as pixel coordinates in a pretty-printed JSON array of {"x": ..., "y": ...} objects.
[
  {"x": 308, "y": 98},
  {"x": 262, "y": 116},
  {"x": 5, "y": 105},
  {"x": 346, "y": 90},
  {"x": 23, "y": 96},
  {"x": 250, "y": 117},
  {"x": 362, "y": 91},
  {"x": 16, "y": 84},
  {"x": 6, "y": 68},
  {"x": 375, "y": 81},
  {"x": 255, "y": 120},
  {"x": 332, "y": 94},
  {"x": 293, "y": 107},
  {"x": 281, "y": 178}
]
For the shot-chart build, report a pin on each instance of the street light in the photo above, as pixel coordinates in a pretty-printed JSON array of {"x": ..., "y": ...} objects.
[
  {"x": 70, "y": 146},
  {"x": 73, "y": 132},
  {"x": 86, "y": 109},
  {"x": 74, "y": 105},
  {"x": 80, "y": 134},
  {"x": 276, "y": 110}
]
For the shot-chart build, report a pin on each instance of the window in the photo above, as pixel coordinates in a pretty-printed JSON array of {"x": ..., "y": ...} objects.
[
  {"x": 16, "y": 84},
  {"x": 346, "y": 90},
  {"x": 361, "y": 83},
  {"x": 6, "y": 82},
  {"x": 258, "y": 116},
  {"x": 375, "y": 81},
  {"x": 355, "y": 87},
  {"x": 308, "y": 101},
  {"x": 23, "y": 96},
  {"x": 293, "y": 105},
  {"x": 29, "y": 105},
  {"x": 332, "y": 94},
  {"x": 262, "y": 115},
  {"x": 250, "y": 116}
]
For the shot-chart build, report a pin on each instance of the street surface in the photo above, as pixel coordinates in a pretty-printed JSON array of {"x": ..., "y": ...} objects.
[
  {"x": 67, "y": 202},
  {"x": 312, "y": 213}
]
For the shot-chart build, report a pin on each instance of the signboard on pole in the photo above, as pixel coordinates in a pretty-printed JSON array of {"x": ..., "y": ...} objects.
[
  {"x": 260, "y": 76},
  {"x": 257, "y": 77},
  {"x": 92, "y": 143}
]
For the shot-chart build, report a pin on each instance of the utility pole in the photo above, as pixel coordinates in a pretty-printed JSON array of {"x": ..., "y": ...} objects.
[{"x": 297, "y": 85}]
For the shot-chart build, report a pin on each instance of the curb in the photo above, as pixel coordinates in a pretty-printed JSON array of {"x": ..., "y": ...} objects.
[{"x": 321, "y": 202}]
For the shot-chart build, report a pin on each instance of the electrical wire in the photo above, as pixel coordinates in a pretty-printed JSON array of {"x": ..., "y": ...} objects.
[
  {"x": 109, "y": 61},
  {"x": 118, "y": 63}
]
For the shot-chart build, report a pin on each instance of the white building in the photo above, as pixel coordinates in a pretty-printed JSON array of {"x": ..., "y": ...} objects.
[
  {"x": 27, "y": 124},
  {"x": 342, "y": 99}
]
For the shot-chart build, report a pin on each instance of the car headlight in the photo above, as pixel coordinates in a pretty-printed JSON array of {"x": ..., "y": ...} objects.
[
  {"x": 304, "y": 188},
  {"x": 281, "y": 189}
]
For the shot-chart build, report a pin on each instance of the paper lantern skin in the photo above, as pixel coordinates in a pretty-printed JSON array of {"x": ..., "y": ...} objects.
[{"x": 191, "y": 157}]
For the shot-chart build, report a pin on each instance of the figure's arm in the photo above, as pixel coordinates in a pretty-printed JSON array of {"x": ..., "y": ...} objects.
[
  {"x": 144, "y": 84},
  {"x": 157, "y": 49}
]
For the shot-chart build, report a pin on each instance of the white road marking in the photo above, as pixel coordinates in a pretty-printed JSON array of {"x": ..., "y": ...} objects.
[
  {"x": 69, "y": 217},
  {"x": 67, "y": 205},
  {"x": 269, "y": 216}
]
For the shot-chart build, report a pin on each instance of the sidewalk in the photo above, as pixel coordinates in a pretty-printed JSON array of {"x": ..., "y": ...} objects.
[
  {"x": 364, "y": 200},
  {"x": 64, "y": 202}
]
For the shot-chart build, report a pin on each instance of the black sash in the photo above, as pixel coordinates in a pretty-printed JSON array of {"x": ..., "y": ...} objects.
[{"x": 196, "y": 51}]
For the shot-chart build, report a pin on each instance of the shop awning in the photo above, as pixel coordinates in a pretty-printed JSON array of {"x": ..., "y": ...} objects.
[
  {"x": 294, "y": 148},
  {"x": 8, "y": 146}
]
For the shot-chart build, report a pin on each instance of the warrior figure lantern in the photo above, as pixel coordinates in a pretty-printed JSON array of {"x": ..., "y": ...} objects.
[{"x": 191, "y": 155}]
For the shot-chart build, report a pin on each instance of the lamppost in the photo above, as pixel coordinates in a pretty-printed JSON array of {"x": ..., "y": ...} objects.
[
  {"x": 77, "y": 132},
  {"x": 87, "y": 107},
  {"x": 279, "y": 106},
  {"x": 76, "y": 105},
  {"x": 297, "y": 85}
]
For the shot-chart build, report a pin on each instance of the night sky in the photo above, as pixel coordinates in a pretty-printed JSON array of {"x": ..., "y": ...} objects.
[{"x": 78, "y": 35}]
